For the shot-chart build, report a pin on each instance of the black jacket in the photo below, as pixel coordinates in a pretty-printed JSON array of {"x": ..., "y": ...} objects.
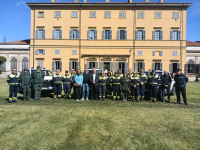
[
  {"x": 165, "y": 80},
  {"x": 91, "y": 79},
  {"x": 85, "y": 78},
  {"x": 180, "y": 80}
]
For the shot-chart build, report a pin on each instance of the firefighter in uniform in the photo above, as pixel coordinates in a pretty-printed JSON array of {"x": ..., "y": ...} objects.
[
  {"x": 67, "y": 84},
  {"x": 57, "y": 80},
  {"x": 13, "y": 80},
  {"x": 102, "y": 86},
  {"x": 154, "y": 83},
  {"x": 135, "y": 81},
  {"x": 143, "y": 81},
  {"x": 180, "y": 85},
  {"x": 38, "y": 77},
  {"x": 109, "y": 86},
  {"x": 129, "y": 73},
  {"x": 25, "y": 79},
  {"x": 120, "y": 73},
  {"x": 116, "y": 86}
]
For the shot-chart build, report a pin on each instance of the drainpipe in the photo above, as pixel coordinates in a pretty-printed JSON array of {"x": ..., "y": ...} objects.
[
  {"x": 80, "y": 38},
  {"x": 34, "y": 37},
  {"x": 181, "y": 59},
  {"x": 134, "y": 28}
]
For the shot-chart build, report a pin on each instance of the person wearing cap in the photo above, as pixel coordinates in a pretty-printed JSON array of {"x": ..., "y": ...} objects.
[
  {"x": 25, "y": 79},
  {"x": 38, "y": 77},
  {"x": 85, "y": 93},
  {"x": 102, "y": 86},
  {"x": 13, "y": 81},
  {"x": 154, "y": 83},
  {"x": 180, "y": 85},
  {"x": 116, "y": 86},
  {"x": 67, "y": 84},
  {"x": 135, "y": 81},
  {"x": 109, "y": 86},
  {"x": 57, "y": 81},
  {"x": 143, "y": 81},
  {"x": 125, "y": 86},
  {"x": 165, "y": 85}
]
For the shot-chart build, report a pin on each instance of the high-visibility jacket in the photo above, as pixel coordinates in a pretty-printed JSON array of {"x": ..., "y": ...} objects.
[
  {"x": 154, "y": 80},
  {"x": 57, "y": 79},
  {"x": 13, "y": 79}
]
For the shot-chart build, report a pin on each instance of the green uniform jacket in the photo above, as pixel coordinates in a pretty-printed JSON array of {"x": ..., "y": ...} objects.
[
  {"x": 38, "y": 77},
  {"x": 125, "y": 83},
  {"x": 25, "y": 79}
]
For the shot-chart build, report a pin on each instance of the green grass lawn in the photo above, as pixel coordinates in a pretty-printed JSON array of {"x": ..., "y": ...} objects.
[{"x": 67, "y": 124}]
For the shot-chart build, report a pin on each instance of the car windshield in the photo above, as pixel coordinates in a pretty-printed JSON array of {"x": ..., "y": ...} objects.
[{"x": 46, "y": 72}]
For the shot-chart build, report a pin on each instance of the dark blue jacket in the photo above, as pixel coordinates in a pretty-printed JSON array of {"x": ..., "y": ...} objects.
[
  {"x": 180, "y": 80},
  {"x": 13, "y": 79}
]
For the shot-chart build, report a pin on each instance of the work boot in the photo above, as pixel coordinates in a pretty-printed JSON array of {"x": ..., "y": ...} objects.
[
  {"x": 24, "y": 100},
  {"x": 169, "y": 101},
  {"x": 163, "y": 102},
  {"x": 142, "y": 100},
  {"x": 14, "y": 101},
  {"x": 154, "y": 101},
  {"x": 29, "y": 99},
  {"x": 117, "y": 99},
  {"x": 137, "y": 100},
  {"x": 65, "y": 98},
  {"x": 177, "y": 103}
]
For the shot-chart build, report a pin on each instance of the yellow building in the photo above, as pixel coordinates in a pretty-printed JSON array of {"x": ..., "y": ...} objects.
[{"x": 108, "y": 35}]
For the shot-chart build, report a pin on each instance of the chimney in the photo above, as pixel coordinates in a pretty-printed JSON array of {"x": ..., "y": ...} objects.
[
  {"x": 146, "y": 0},
  {"x": 53, "y": 1},
  {"x": 161, "y": 1},
  {"x": 129, "y": 1},
  {"x": 85, "y": 1},
  {"x": 76, "y": 1},
  {"x": 107, "y": 1}
]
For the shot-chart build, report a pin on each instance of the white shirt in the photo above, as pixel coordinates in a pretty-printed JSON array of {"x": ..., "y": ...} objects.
[{"x": 94, "y": 75}]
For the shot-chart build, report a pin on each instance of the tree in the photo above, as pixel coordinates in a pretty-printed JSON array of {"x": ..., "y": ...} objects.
[{"x": 2, "y": 59}]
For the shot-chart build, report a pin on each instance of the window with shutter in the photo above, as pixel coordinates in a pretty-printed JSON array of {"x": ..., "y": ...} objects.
[
  {"x": 25, "y": 63},
  {"x": 161, "y": 53},
  {"x": 92, "y": 34},
  {"x": 41, "y": 34},
  {"x": 40, "y": 63},
  {"x": 107, "y": 34},
  {"x": 153, "y": 53}
]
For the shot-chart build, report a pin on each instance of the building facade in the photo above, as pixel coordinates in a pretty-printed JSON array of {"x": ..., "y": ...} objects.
[
  {"x": 108, "y": 35},
  {"x": 17, "y": 54},
  {"x": 192, "y": 66}
]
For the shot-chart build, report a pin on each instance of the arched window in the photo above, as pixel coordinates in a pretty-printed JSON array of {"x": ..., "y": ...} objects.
[
  {"x": 24, "y": 63},
  {"x": 13, "y": 63}
]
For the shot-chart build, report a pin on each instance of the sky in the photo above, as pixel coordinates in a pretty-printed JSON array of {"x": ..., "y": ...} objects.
[{"x": 15, "y": 18}]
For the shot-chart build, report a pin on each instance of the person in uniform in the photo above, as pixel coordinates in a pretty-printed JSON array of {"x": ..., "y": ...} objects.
[
  {"x": 38, "y": 77},
  {"x": 116, "y": 86},
  {"x": 143, "y": 81},
  {"x": 120, "y": 73},
  {"x": 165, "y": 84},
  {"x": 13, "y": 81},
  {"x": 130, "y": 74},
  {"x": 109, "y": 86},
  {"x": 57, "y": 81},
  {"x": 125, "y": 86},
  {"x": 72, "y": 82},
  {"x": 135, "y": 81},
  {"x": 67, "y": 84},
  {"x": 102, "y": 86},
  {"x": 180, "y": 85},
  {"x": 25, "y": 79},
  {"x": 154, "y": 83}
]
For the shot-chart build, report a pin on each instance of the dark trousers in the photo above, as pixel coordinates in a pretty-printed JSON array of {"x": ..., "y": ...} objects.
[
  {"x": 94, "y": 91},
  {"x": 26, "y": 91},
  {"x": 102, "y": 91},
  {"x": 67, "y": 90},
  {"x": 38, "y": 90},
  {"x": 183, "y": 91},
  {"x": 142, "y": 91},
  {"x": 78, "y": 90},
  {"x": 57, "y": 90},
  {"x": 163, "y": 93},
  {"x": 135, "y": 92},
  {"x": 13, "y": 91},
  {"x": 153, "y": 92},
  {"x": 125, "y": 94},
  {"x": 116, "y": 92},
  {"x": 108, "y": 91}
]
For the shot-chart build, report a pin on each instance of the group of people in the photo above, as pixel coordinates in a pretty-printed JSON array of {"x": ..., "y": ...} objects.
[{"x": 129, "y": 85}]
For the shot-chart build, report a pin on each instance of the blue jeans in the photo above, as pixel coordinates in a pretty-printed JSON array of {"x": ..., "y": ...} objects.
[
  {"x": 163, "y": 94},
  {"x": 85, "y": 89}
]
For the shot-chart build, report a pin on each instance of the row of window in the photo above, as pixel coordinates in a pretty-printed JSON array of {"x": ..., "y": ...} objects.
[
  {"x": 109, "y": 65},
  {"x": 107, "y": 34},
  {"x": 174, "y": 53},
  {"x": 57, "y": 52},
  {"x": 107, "y": 14}
]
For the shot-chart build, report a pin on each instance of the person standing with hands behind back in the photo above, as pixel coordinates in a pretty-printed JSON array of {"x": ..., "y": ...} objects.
[
  {"x": 94, "y": 80},
  {"x": 125, "y": 86},
  {"x": 79, "y": 82}
]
